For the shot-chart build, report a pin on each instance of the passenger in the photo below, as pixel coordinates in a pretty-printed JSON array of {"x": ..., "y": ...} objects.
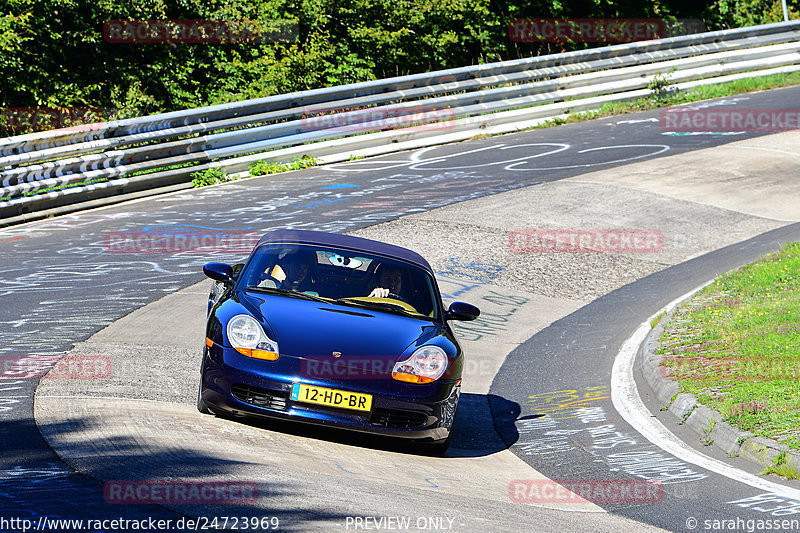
[{"x": 294, "y": 271}]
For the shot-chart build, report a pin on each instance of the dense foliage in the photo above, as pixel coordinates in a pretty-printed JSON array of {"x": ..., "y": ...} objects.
[{"x": 53, "y": 52}]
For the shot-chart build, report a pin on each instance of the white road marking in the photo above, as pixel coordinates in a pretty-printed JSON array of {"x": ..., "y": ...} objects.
[
  {"x": 370, "y": 164},
  {"x": 416, "y": 157},
  {"x": 663, "y": 148},
  {"x": 762, "y": 149},
  {"x": 557, "y": 147},
  {"x": 629, "y": 405},
  {"x": 638, "y": 121},
  {"x": 85, "y": 397}
]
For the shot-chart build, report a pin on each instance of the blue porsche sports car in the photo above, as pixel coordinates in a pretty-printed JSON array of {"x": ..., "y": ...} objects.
[{"x": 333, "y": 330}]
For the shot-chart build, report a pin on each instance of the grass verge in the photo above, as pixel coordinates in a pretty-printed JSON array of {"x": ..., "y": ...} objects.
[
  {"x": 261, "y": 168},
  {"x": 209, "y": 176},
  {"x": 664, "y": 95},
  {"x": 782, "y": 468},
  {"x": 736, "y": 346}
]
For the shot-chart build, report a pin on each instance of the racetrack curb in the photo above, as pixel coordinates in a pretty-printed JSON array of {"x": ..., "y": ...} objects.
[{"x": 707, "y": 423}]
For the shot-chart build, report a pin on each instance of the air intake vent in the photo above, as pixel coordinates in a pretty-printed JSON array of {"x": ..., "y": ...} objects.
[
  {"x": 259, "y": 397},
  {"x": 397, "y": 419}
]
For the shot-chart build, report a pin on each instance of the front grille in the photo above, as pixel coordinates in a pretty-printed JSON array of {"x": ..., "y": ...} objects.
[
  {"x": 259, "y": 397},
  {"x": 389, "y": 418}
]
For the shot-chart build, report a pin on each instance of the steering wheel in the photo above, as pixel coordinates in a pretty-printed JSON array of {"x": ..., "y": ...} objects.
[
  {"x": 395, "y": 296},
  {"x": 274, "y": 283}
]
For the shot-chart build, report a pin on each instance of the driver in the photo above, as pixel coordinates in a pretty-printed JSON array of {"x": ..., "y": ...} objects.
[{"x": 390, "y": 281}]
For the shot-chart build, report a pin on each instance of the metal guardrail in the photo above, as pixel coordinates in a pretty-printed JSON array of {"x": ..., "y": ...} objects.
[{"x": 128, "y": 157}]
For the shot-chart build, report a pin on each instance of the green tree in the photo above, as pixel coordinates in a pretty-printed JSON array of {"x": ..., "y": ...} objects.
[{"x": 54, "y": 53}]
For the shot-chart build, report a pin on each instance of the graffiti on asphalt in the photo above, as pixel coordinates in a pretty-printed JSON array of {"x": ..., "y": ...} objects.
[
  {"x": 566, "y": 403},
  {"x": 52, "y": 270},
  {"x": 490, "y": 323},
  {"x": 576, "y": 420},
  {"x": 769, "y": 503}
]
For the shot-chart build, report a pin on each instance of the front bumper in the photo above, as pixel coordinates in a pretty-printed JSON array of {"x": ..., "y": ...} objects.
[{"x": 238, "y": 385}]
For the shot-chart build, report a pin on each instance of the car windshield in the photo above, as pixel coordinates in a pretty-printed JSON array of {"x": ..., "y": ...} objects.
[{"x": 342, "y": 276}]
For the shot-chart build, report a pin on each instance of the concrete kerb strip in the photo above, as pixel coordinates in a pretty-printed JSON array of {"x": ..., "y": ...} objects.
[{"x": 707, "y": 423}]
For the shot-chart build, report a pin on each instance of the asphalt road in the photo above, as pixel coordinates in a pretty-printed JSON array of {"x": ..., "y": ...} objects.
[
  {"x": 61, "y": 281},
  {"x": 565, "y": 442}
]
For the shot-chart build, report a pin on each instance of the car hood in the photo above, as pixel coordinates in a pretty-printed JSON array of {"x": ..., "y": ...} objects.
[{"x": 304, "y": 328}]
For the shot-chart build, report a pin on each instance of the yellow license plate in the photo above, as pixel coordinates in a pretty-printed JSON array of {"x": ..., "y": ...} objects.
[{"x": 331, "y": 397}]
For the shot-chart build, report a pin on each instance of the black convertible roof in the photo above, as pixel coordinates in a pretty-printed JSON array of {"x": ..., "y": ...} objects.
[{"x": 348, "y": 242}]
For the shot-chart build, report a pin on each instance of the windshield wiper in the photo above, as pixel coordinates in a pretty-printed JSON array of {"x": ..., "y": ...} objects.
[{"x": 292, "y": 294}]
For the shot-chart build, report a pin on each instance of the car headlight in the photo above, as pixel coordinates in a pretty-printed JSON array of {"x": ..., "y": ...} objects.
[
  {"x": 425, "y": 365},
  {"x": 248, "y": 338}
]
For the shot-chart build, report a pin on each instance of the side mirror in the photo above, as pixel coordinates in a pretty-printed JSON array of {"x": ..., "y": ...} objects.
[
  {"x": 219, "y": 272},
  {"x": 462, "y": 311}
]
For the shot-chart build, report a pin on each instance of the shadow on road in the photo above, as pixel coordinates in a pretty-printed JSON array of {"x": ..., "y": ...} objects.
[{"x": 475, "y": 433}]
